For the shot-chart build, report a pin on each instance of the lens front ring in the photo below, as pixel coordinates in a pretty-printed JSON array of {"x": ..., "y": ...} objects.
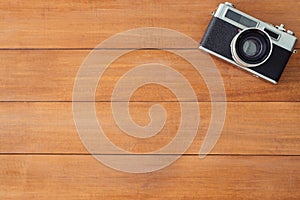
[{"x": 251, "y": 47}]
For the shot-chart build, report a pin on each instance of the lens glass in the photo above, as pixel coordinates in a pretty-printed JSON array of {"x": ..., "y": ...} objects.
[{"x": 251, "y": 47}]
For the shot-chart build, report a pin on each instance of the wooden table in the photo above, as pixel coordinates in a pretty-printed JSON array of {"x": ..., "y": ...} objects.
[{"x": 43, "y": 44}]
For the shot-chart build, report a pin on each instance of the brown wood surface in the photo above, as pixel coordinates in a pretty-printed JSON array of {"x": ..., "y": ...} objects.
[
  {"x": 84, "y": 24},
  {"x": 49, "y": 76},
  {"x": 49, "y": 128},
  {"x": 43, "y": 44},
  {"x": 215, "y": 177}
]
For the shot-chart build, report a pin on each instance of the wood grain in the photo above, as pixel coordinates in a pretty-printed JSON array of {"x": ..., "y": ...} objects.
[
  {"x": 84, "y": 24},
  {"x": 250, "y": 128},
  {"x": 43, "y": 44},
  {"x": 215, "y": 177},
  {"x": 50, "y": 75}
]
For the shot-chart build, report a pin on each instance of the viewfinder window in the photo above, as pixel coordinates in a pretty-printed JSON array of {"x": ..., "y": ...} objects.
[{"x": 240, "y": 19}]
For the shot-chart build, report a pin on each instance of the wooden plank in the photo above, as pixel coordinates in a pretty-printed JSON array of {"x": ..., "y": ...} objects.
[
  {"x": 84, "y": 24},
  {"x": 215, "y": 177},
  {"x": 50, "y": 75},
  {"x": 250, "y": 128}
]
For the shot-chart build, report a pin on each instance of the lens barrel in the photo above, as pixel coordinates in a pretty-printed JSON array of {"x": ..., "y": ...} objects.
[{"x": 251, "y": 47}]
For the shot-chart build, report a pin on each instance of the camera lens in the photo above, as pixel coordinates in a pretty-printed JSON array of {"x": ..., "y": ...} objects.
[{"x": 251, "y": 47}]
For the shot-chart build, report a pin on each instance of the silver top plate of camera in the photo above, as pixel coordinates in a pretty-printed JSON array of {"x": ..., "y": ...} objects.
[{"x": 279, "y": 35}]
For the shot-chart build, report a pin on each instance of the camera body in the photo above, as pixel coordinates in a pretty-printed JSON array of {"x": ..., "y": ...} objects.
[{"x": 253, "y": 45}]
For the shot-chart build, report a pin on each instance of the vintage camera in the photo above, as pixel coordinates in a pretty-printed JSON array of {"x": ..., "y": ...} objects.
[{"x": 253, "y": 45}]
